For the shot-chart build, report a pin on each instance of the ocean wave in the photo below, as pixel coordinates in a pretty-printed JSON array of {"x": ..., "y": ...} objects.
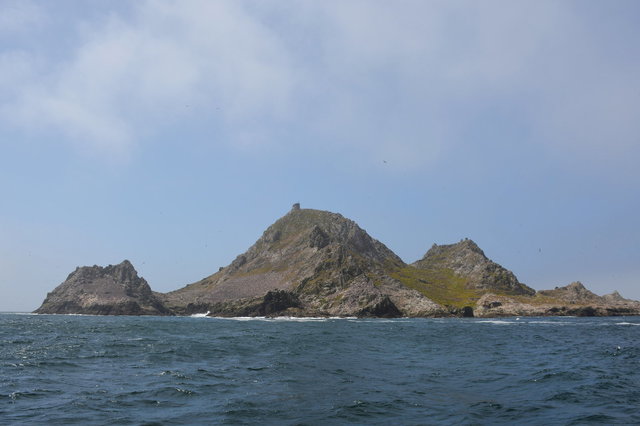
[
  {"x": 285, "y": 318},
  {"x": 499, "y": 322},
  {"x": 551, "y": 322},
  {"x": 369, "y": 371}
]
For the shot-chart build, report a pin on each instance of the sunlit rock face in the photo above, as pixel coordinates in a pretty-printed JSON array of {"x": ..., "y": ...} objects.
[{"x": 110, "y": 290}]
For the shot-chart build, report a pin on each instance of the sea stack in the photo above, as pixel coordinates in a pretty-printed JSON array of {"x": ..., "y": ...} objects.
[{"x": 110, "y": 290}]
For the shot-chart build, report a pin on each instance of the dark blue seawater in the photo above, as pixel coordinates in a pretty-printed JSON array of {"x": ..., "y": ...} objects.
[{"x": 157, "y": 370}]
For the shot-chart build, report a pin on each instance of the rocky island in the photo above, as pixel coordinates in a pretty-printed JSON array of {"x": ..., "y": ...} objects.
[
  {"x": 318, "y": 263},
  {"x": 113, "y": 290}
]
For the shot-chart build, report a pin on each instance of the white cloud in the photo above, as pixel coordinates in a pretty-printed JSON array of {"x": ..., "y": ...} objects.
[
  {"x": 19, "y": 16},
  {"x": 382, "y": 78},
  {"x": 124, "y": 74}
]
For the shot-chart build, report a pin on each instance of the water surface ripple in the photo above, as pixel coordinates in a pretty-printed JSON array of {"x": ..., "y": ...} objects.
[{"x": 158, "y": 370}]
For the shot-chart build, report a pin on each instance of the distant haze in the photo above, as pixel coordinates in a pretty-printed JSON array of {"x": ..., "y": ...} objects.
[{"x": 172, "y": 133}]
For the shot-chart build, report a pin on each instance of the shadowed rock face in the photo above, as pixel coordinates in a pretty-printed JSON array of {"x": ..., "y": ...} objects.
[
  {"x": 466, "y": 260},
  {"x": 112, "y": 290}
]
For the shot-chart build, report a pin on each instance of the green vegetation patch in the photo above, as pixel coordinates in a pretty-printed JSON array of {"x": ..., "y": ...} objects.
[{"x": 441, "y": 285}]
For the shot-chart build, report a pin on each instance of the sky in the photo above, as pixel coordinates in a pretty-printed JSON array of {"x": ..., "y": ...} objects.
[{"x": 173, "y": 133}]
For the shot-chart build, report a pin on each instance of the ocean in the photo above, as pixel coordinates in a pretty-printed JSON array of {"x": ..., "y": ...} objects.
[{"x": 61, "y": 370}]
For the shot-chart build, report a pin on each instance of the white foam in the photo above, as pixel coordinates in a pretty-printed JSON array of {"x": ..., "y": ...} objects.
[
  {"x": 79, "y": 315},
  {"x": 627, "y": 323},
  {"x": 300, "y": 319},
  {"x": 239, "y": 318},
  {"x": 285, "y": 318},
  {"x": 200, "y": 315},
  {"x": 500, "y": 322}
]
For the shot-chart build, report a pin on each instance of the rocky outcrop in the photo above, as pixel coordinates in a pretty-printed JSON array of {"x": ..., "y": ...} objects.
[
  {"x": 330, "y": 264},
  {"x": 112, "y": 290},
  {"x": 467, "y": 261},
  {"x": 571, "y": 300},
  {"x": 277, "y": 302},
  {"x": 575, "y": 293}
]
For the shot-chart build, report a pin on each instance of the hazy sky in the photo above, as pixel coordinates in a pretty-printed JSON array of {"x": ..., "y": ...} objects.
[{"x": 172, "y": 133}]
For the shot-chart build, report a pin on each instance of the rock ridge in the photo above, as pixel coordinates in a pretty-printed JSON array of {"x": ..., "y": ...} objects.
[{"x": 317, "y": 263}]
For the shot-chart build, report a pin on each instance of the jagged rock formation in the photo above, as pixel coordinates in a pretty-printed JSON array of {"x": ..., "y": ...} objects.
[
  {"x": 330, "y": 264},
  {"x": 616, "y": 297},
  {"x": 467, "y": 261},
  {"x": 112, "y": 290},
  {"x": 573, "y": 299},
  {"x": 575, "y": 292},
  {"x": 317, "y": 263}
]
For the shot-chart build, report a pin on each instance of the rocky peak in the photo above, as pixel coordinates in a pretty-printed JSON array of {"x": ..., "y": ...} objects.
[
  {"x": 462, "y": 255},
  {"x": 122, "y": 274},
  {"x": 313, "y": 253},
  {"x": 575, "y": 292},
  {"x": 469, "y": 245},
  {"x": 114, "y": 289},
  {"x": 318, "y": 229},
  {"x": 124, "y": 271},
  {"x": 466, "y": 259},
  {"x": 576, "y": 286},
  {"x": 615, "y": 297}
]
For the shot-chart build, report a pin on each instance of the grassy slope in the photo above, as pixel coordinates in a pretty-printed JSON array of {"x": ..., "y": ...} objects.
[{"x": 440, "y": 285}]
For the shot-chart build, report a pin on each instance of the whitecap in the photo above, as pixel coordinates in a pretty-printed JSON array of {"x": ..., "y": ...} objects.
[
  {"x": 551, "y": 322},
  {"x": 200, "y": 315},
  {"x": 376, "y": 320},
  {"x": 500, "y": 322},
  {"x": 240, "y": 318},
  {"x": 627, "y": 323},
  {"x": 286, "y": 318},
  {"x": 299, "y": 319}
]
